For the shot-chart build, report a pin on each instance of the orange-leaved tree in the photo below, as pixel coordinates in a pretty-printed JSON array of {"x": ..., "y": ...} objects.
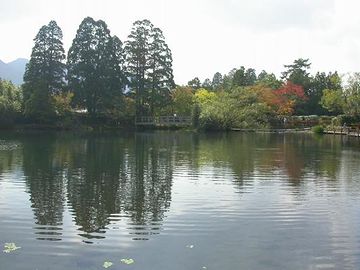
[{"x": 287, "y": 97}]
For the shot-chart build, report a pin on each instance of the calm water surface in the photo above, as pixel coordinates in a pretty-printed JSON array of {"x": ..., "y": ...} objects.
[{"x": 175, "y": 200}]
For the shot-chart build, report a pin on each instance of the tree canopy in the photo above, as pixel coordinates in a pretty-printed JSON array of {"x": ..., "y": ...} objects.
[
  {"x": 95, "y": 68},
  {"x": 149, "y": 67},
  {"x": 105, "y": 78},
  {"x": 45, "y": 73},
  {"x": 10, "y": 102}
]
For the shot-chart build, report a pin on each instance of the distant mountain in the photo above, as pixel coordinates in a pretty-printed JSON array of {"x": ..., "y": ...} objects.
[{"x": 13, "y": 71}]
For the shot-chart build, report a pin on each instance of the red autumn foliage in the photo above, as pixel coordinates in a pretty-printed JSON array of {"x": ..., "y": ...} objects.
[
  {"x": 284, "y": 99},
  {"x": 291, "y": 90}
]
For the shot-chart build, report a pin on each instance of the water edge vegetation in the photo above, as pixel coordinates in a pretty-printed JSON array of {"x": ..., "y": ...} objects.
[{"x": 103, "y": 82}]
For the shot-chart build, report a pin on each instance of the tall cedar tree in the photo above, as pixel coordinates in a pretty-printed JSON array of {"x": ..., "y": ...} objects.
[
  {"x": 160, "y": 73},
  {"x": 45, "y": 73},
  {"x": 95, "y": 68},
  {"x": 149, "y": 67}
]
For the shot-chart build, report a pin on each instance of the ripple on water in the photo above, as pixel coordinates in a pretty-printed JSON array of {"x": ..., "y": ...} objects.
[
  {"x": 9, "y": 145},
  {"x": 241, "y": 203}
]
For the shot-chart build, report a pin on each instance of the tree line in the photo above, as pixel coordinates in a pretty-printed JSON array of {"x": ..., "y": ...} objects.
[
  {"x": 99, "y": 73},
  {"x": 104, "y": 79},
  {"x": 242, "y": 98}
]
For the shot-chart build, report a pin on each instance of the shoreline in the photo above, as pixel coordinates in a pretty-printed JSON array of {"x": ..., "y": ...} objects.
[
  {"x": 90, "y": 129},
  {"x": 275, "y": 130}
]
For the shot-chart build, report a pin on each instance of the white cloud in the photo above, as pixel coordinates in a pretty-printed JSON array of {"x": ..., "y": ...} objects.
[
  {"x": 207, "y": 35},
  {"x": 274, "y": 14}
]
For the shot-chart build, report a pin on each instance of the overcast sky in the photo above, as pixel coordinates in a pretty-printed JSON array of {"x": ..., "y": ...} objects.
[{"x": 206, "y": 36}]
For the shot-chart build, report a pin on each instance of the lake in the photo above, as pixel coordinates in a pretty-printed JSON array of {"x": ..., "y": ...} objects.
[{"x": 179, "y": 200}]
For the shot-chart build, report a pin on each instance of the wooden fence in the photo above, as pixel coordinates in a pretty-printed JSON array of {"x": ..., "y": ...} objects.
[
  {"x": 352, "y": 130},
  {"x": 163, "y": 121}
]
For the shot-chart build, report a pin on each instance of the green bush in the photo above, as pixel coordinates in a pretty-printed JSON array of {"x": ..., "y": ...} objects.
[
  {"x": 238, "y": 108},
  {"x": 10, "y": 103},
  {"x": 318, "y": 130}
]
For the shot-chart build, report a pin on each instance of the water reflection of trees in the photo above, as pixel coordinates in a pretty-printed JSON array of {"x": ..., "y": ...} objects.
[
  {"x": 10, "y": 153},
  {"x": 98, "y": 176},
  {"x": 45, "y": 183},
  {"x": 93, "y": 182},
  {"x": 151, "y": 178},
  {"x": 294, "y": 155},
  {"x": 130, "y": 175},
  {"x": 9, "y": 160},
  {"x": 107, "y": 177}
]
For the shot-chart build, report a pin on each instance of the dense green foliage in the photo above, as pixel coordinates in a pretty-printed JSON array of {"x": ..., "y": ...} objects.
[
  {"x": 244, "y": 77},
  {"x": 318, "y": 129},
  {"x": 102, "y": 78},
  {"x": 149, "y": 67},
  {"x": 217, "y": 81},
  {"x": 182, "y": 101},
  {"x": 296, "y": 93},
  {"x": 10, "y": 102},
  {"x": 344, "y": 100},
  {"x": 45, "y": 73},
  {"x": 241, "y": 108},
  {"x": 109, "y": 82},
  {"x": 333, "y": 101},
  {"x": 94, "y": 65}
]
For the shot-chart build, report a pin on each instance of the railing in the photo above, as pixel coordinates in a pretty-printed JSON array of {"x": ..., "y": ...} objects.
[
  {"x": 163, "y": 121},
  {"x": 352, "y": 130}
]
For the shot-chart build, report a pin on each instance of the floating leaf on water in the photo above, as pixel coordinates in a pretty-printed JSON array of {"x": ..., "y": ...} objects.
[
  {"x": 127, "y": 261},
  {"x": 107, "y": 264},
  {"x": 190, "y": 246},
  {"x": 10, "y": 247}
]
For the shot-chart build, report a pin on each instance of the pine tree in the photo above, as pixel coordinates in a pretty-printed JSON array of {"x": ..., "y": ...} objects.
[
  {"x": 45, "y": 72},
  {"x": 298, "y": 74}
]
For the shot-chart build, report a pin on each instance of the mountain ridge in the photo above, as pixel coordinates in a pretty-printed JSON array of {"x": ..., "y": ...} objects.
[{"x": 14, "y": 70}]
